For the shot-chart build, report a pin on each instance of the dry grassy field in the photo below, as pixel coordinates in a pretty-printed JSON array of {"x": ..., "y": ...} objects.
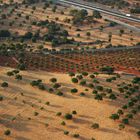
[
  {"x": 30, "y": 113},
  {"x": 67, "y": 73}
]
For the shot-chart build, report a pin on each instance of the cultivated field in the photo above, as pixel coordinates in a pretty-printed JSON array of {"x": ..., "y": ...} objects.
[
  {"x": 67, "y": 73},
  {"x": 125, "y": 61}
]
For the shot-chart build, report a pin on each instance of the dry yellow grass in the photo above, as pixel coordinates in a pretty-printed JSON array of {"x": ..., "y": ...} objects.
[{"x": 88, "y": 111}]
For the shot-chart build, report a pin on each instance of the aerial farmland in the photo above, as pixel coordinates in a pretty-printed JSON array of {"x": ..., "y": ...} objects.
[{"x": 69, "y": 70}]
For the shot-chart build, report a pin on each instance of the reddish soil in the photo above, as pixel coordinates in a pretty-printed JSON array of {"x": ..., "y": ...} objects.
[
  {"x": 8, "y": 61},
  {"x": 122, "y": 61}
]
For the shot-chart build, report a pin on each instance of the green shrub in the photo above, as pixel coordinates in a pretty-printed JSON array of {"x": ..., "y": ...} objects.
[
  {"x": 74, "y": 90},
  {"x": 84, "y": 73},
  {"x": 82, "y": 94},
  {"x": 112, "y": 96},
  {"x": 63, "y": 123},
  {"x": 95, "y": 81},
  {"x": 59, "y": 93},
  {"x": 133, "y": 111},
  {"x": 114, "y": 116},
  {"x": 76, "y": 135},
  {"x": 79, "y": 77},
  {"x": 35, "y": 82},
  {"x": 7, "y": 132},
  {"x": 126, "y": 96},
  {"x": 136, "y": 80},
  {"x": 83, "y": 82},
  {"x": 90, "y": 85},
  {"x": 98, "y": 97},
  {"x": 107, "y": 69},
  {"x": 4, "y": 84},
  {"x": 1, "y": 98},
  {"x": 41, "y": 108},
  {"x": 21, "y": 66},
  {"x": 124, "y": 107},
  {"x": 121, "y": 126},
  {"x": 66, "y": 132},
  {"x": 36, "y": 113},
  {"x": 15, "y": 71},
  {"x": 51, "y": 90},
  {"x": 39, "y": 81},
  {"x": 100, "y": 88},
  {"x": 121, "y": 90},
  {"x": 138, "y": 107},
  {"x": 74, "y": 112},
  {"x": 74, "y": 80},
  {"x": 130, "y": 104},
  {"x": 108, "y": 80},
  {"x": 109, "y": 90},
  {"x": 138, "y": 133},
  {"x": 96, "y": 73},
  {"x": 94, "y": 92},
  {"x": 130, "y": 116},
  {"x": 56, "y": 86},
  {"x": 53, "y": 80},
  {"x": 68, "y": 116},
  {"x": 29, "y": 118},
  {"x": 47, "y": 103},
  {"x": 13, "y": 118},
  {"x": 9, "y": 73},
  {"x": 125, "y": 121},
  {"x": 41, "y": 86},
  {"x": 120, "y": 112},
  {"x": 95, "y": 125},
  {"x": 92, "y": 76},
  {"x": 71, "y": 74},
  {"x": 58, "y": 114},
  {"x": 113, "y": 78},
  {"x": 86, "y": 89},
  {"x": 18, "y": 77}
]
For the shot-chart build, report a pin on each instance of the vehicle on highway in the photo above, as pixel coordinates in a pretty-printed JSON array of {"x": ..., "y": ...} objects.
[{"x": 128, "y": 15}]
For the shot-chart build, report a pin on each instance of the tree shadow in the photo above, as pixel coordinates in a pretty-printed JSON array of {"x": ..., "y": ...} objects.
[
  {"x": 81, "y": 121},
  {"x": 85, "y": 116},
  {"x": 68, "y": 85},
  {"x": 70, "y": 96},
  {"x": 73, "y": 126},
  {"x": 55, "y": 106},
  {"x": 135, "y": 123},
  {"x": 107, "y": 130},
  {"x": 83, "y": 138},
  {"x": 55, "y": 129},
  {"x": 18, "y": 124},
  {"x": 47, "y": 117},
  {"x": 21, "y": 138}
]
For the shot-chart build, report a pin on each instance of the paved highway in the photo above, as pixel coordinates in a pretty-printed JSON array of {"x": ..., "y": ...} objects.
[
  {"x": 131, "y": 27},
  {"x": 90, "y": 6},
  {"x": 93, "y": 50}
]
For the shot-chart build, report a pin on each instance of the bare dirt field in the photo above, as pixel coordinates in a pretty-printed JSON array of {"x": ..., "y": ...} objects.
[{"x": 21, "y": 101}]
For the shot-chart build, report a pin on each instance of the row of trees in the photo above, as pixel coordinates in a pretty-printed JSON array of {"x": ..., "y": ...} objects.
[
  {"x": 135, "y": 10},
  {"x": 80, "y": 15},
  {"x": 5, "y": 33}
]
